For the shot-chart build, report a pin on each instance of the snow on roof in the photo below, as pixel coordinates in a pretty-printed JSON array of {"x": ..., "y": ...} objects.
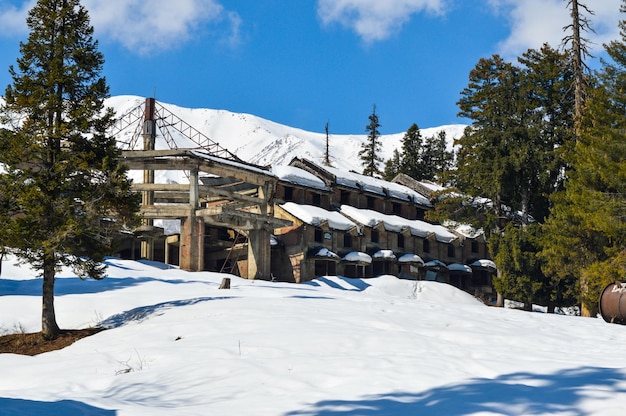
[
  {"x": 435, "y": 264},
  {"x": 458, "y": 267},
  {"x": 411, "y": 258},
  {"x": 298, "y": 176},
  {"x": 378, "y": 186},
  {"x": 486, "y": 263},
  {"x": 315, "y": 216},
  {"x": 466, "y": 230},
  {"x": 239, "y": 165},
  {"x": 396, "y": 224},
  {"x": 384, "y": 254},
  {"x": 324, "y": 252},
  {"x": 431, "y": 186},
  {"x": 357, "y": 257}
]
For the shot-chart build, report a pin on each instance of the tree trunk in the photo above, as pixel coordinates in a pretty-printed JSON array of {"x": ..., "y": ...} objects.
[
  {"x": 528, "y": 305},
  {"x": 49, "y": 328},
  {"x": 499, "y": 300}
]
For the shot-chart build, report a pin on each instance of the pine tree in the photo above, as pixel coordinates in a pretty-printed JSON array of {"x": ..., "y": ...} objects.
[
  {"x": 435, "y": 158},
  {"x": 370, "y": 151},
  {"x": 586, "y": 236},
  {"x": 521, "y": 277},
  {"x": 411, "y": 163},
  {"x": 327, "y": 151},
  {"x": 392, "y": 166},
  {"x": 490, "y": 100},
  {"x": 64, "y": 193},
  {"x": 512, "y": 153},
  {"x": 579, "y": 50}
]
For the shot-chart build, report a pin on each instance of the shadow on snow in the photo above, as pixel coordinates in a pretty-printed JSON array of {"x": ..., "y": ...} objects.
[
  {"x": 77, "y": 286},
  {"x": 511, "y": 394},
  {"x": 358, "y": 285},
  {"x": 143, "y": 312},
  {"x": 63, "y": 407}
]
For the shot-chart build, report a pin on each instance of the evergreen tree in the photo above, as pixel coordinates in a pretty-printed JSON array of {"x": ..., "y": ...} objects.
[
  {"x": 435, "y": 158},
  {"x": 327, "y": 151},
  {"x": 64, "y": 193},
  {"x": 512, "y": 153},
  {"x": 580, "y": 23},
  {"x": 521, "y": 277},
  {"x": 586, "y": 236},
  {"x": 370, "y": 151},
  {"x": 392, "y": 166},
  {"x": 549, "y": 116},
  {"x": 483, "y": 162},
  {"x": 411, "y": 163}
]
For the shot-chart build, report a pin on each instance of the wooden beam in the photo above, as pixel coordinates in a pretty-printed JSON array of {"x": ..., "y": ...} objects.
[
  {"x": 167, "y": 190},
  {"x": 166, "y": 211},
  {"x": 181, "y": 159}
]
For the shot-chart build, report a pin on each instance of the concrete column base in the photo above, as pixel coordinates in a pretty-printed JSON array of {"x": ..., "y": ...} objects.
[
  {"x": 192, "y": 244},
  {"x": 259, "y": 255}
]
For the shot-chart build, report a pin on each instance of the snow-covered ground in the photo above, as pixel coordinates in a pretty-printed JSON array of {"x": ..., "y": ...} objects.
[{"x": 178, "y": 345}]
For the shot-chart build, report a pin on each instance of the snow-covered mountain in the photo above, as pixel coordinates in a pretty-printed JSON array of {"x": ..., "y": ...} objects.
[{"x": 264, "y": 142}]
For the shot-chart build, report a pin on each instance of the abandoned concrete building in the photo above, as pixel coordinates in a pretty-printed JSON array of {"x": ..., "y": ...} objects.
[{"x": 296, "y": 222}]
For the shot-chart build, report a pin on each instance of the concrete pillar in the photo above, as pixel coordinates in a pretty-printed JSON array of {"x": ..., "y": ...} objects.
[
  {"x": 192, "y": 244},
  {"x": 147, "y": 197},
  {"x": 193, "y": 188},
  {"x": 259, "y": 255}
]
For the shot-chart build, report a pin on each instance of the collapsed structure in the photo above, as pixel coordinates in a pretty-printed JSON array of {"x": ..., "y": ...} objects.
[{"x": 294, "y": 223}]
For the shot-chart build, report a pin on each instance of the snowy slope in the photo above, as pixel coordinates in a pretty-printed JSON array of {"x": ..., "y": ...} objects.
[
  {"x": 264, "y": 142},
  {"x": 178, "y": 345}
]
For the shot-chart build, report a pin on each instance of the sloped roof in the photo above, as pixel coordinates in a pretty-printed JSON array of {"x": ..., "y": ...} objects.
[
  {"x": 316, "y": 216},
  {"x": 394, "y": 223},
  {"x": 298, "y": 176},
  {"x": 378, "y": 186}
]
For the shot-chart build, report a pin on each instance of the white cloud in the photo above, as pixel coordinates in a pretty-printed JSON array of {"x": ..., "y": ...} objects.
[
  {"x": 535, "y": 22},
  {"x": 13, "y": 18},
  {"x": 144, "y": 26},
  {"x": 140, "y": 25},
  {"x": 374, "y": 20}
]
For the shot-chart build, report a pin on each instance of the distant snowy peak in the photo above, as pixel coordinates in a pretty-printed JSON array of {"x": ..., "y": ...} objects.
[{"x": 263, "y": 142}]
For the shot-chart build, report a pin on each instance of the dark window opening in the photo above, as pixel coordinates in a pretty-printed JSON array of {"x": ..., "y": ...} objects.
[
  {"x": 325, "y": 268},
  {"x": 371, "y": 201},
  {"x": 347, "y": 240},
  {"x": 401, "y": 240},
  {"x": 426, "y": 246},
  {"x": 474, "y": 246},
  {"x": 345, "y": 197},
  {"x": 450, "y": 250},
  {"x": 397, "y": 208},
  {"x": 375, "y": 236},
  {"x": 319, "y": 235},
  {"x": 317, "y": 200},
  {"x": 288, "y": 193}
]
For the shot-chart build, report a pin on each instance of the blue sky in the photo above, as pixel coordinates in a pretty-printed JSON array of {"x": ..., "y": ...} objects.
[{"x": 307, "y": 62}]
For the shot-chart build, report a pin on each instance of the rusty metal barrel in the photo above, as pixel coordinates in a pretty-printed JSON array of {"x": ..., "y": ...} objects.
[{"x": 613, "y": 303}]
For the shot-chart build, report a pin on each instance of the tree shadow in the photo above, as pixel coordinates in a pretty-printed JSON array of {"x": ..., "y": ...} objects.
[
  {"x": 143, "y": 312},
  {"x": 78, "y": 286},
  {"x": 511, "y": 394},
  {"x": 21, "y": 407}
]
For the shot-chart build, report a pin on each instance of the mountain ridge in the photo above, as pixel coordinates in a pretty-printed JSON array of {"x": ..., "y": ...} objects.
[{"x": 264, "y": 142}]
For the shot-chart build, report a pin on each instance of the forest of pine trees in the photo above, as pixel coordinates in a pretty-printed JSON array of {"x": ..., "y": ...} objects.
[{"x": 547, "y": 149}]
